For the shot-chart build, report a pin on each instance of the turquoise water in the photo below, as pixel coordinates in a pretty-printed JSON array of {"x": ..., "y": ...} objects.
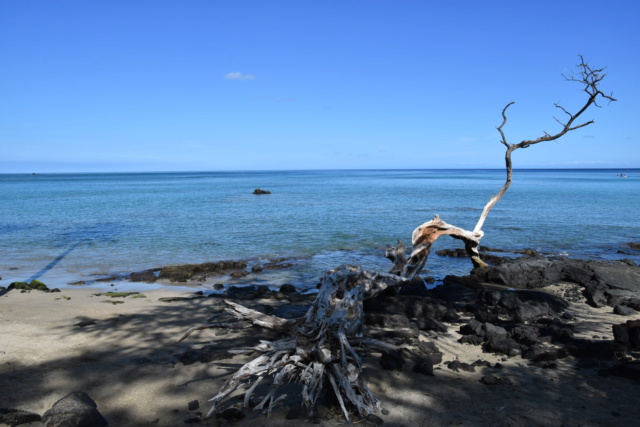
[{"x": 62, "y": 228}]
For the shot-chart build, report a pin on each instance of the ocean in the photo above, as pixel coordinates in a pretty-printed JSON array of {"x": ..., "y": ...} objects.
[{"x": 64, "y": 228}]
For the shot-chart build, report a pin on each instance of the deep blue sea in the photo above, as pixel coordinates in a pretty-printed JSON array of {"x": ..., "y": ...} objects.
[{"x": 62, "y": 228}]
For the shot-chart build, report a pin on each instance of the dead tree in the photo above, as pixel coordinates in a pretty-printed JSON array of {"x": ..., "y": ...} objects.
[
  {"x": 424, "y": 236},
  {"x": 322, "y": 349}
]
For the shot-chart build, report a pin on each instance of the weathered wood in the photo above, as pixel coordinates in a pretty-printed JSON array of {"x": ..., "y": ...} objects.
[
  {"x": 257, "y": 318},
  {"x": 321, "y": 347},
  {"x": 397, "y": 255},
  {"x": 423, "y": 238}
]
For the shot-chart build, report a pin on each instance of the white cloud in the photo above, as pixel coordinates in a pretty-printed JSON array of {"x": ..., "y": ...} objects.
[{"x": 239, "y": 76}]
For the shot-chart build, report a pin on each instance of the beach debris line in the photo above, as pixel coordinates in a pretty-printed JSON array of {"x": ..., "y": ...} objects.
[{"x": 321, "y": 350}]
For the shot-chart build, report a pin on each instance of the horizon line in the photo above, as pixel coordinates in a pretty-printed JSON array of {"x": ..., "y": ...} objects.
[{"x": 319, "y": 170}]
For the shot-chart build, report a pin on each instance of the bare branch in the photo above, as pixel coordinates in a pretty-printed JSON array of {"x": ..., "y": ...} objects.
[
  {"x": 559, "y": 122},
  {"x": 591, "y": 79},
  {"x": 257, "y": 318},
  {"x": 562, "y": 108},
  {"x": 504, "y": 121}
]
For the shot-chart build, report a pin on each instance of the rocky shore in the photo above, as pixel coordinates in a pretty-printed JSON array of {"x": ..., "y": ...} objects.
[{"x": 529, "y": 341}]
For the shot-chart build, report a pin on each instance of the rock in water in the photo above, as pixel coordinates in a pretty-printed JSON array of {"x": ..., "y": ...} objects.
[
  {"x": 76, "y": 409},
  {"x": 34, "y": 284},
  {"x": 259, "y": 191},
  {"x": 287, "y": 288}
]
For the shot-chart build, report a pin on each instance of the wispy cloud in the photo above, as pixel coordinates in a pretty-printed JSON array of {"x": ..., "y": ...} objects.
[
  {"x": 239, "y": 76},
  {"x": 589, "y": 137}
]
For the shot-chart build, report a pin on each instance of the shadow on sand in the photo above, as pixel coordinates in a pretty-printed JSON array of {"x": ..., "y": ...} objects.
[{"x": 131, "y": 367}]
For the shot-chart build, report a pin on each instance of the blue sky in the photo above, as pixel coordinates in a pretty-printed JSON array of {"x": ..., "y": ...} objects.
[{"x": 225, "y": 85}]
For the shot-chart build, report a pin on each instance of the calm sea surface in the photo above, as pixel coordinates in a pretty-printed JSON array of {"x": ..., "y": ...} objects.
[{"x": 62, "y": 228}]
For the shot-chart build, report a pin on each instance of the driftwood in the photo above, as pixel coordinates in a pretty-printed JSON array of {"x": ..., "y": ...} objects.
[
  {"x": 423, "y": 237},
  {"x": 322, "y": 349}
]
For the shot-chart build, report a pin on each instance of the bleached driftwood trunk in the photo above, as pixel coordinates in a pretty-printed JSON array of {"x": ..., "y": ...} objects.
[
  {"x": 423, "y": 238},
  {"x": 321, "y": 350}
]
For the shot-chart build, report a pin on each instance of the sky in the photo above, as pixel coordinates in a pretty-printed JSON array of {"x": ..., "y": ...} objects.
[{"x": 210, "y": 85}]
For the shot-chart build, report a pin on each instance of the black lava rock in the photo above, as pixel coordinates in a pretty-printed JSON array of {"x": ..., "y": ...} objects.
[
  {"x": 231, "y": 414},
  {"x": 624, "y": 310},
  {"x": 15, "y": 417},
  {"x": 424, "y": 369},
  {"x": 391, "y": 361},
  {"x": 287, "y": 288},
  {"x": 76, "y": 409},
  {"x": 628, "y": 334}
]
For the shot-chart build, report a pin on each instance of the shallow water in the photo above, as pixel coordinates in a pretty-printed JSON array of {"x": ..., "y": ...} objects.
[{"x": 62, "y": 228}]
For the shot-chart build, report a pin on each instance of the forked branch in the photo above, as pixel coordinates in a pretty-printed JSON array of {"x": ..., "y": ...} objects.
[
  {"x": 425, "y": 235},
  {"x": 587, "y": 76}
]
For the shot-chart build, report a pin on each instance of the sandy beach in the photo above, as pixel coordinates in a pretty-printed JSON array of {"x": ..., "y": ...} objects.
[{"x": 126, "y": 356}]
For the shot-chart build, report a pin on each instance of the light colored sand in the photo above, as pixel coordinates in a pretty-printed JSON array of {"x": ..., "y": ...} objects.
[{"x": 126, "y": 363}]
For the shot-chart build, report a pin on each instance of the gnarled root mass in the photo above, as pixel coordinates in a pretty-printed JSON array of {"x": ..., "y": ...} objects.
[{"x": 321, "y": 350}]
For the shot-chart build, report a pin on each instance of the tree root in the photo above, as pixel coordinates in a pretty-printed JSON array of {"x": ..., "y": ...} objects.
[{"x": 321, "y": 350}]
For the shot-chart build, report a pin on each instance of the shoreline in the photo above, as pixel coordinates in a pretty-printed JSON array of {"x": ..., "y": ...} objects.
[
  {"x": 127, "y": 357},
  {"x": 293, "y": 272}
]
